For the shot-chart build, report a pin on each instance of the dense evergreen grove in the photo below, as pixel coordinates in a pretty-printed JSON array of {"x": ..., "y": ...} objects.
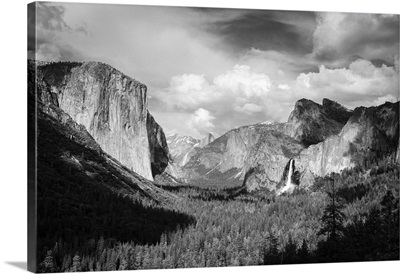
[{"x": 349, "y": 217}]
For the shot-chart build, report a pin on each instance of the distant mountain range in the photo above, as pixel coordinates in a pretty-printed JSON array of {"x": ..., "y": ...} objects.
[
  {"x": 110, "y": 108},
  {"x": 182, "y": 148}
]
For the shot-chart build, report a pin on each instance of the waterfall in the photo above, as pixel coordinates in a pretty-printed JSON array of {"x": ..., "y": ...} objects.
[{"x": 289, "y": 179}]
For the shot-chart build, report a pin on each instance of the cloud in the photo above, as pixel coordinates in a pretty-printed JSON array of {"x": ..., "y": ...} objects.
[
  {"x": 362, "y": 83},
  {"x": 57, "y": 52},
  {"x": 238, "y": 85},
  {"x": 249, "y": 108},
  {"x": 243, "y": 82},
  {"x": 279, "y": 66},
  {"x": 44, "y": 41},
  {"x": 339, "y": 38},
  {"x": 237, "y": 97},
  {"x": 283, "y": 86},
  {"x": 201, "y": 122},
  {"x": 188, "y": 91},
  {"x": 287, "y": 31}
]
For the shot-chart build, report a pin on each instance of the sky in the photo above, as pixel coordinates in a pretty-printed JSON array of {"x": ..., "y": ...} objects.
[{"x": 217, "y": 69}]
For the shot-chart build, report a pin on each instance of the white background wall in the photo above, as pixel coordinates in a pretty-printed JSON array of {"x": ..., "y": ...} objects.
[{"x": 13, "y": 129}]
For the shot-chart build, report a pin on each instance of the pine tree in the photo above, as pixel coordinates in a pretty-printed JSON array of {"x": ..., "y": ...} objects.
[
  {"x": 390, "y": 222},
  {"x": 66, "y": 263},
  {"x": 100, "y": 245},
  {"x": 76, "y": 263},
  {"x": 102, "y": 261},
  {"x": 48, "y": 262},
  {"x": 332, "y": 223}
]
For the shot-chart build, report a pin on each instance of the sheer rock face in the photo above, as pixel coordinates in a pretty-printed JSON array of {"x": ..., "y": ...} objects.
[
  {"x": 113, "y": 108},
  {"x": 311, "y": 123},
  {"x": 80, "y": 155},
  {"x": 267, "y": 161},
  {"x": 158, "y": 146},
  {"x": 398, "y": 152},
  {"x": 250, "y": 155},
  {"x": 370, "y": 132}
]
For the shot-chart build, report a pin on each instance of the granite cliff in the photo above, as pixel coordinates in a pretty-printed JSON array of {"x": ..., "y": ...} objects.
[
  {"x": 67, "y": 153},
  {"x": 370, "y": 133},
  {"x": 250, "y": 154},
  {"x": 113, "y": 109},
  {"x": 311, "y": 123}
]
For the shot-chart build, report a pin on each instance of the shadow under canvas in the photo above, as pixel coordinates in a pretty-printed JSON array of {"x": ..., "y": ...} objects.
[{"x": 21, "y": 265}]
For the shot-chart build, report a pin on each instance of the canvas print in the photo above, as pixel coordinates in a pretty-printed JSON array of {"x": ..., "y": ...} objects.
[{"x": 183, "y": 137}]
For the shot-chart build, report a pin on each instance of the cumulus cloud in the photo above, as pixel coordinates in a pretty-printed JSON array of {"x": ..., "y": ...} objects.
[
  {"x": 341, "y": 37},
  {"x": 361, "y": 84},
  {"x": 241, "y": 84},
  {"x": 284, "y": 86},
  {"x": 201, "y": 122},
  {"x": 237, "y": 97}
]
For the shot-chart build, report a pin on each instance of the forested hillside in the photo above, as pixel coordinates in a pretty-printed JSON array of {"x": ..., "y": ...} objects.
[{"x": 349, "y": 217}]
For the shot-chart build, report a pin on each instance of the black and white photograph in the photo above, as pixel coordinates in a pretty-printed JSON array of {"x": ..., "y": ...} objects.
[{"x": 166, "y": 137}]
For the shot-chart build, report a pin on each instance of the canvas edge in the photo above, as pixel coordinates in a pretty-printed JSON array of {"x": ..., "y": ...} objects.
[{"x": 32, "y": 164}]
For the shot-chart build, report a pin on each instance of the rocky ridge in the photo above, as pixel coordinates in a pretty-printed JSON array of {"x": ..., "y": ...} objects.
[
  {"x": 369, "y": 133},
  {"x": 253, "y": 154},
  {"x": 182, "y": 148}
]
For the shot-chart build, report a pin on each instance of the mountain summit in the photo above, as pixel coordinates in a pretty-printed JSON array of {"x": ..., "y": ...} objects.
[{"x": 311, "y": 123}]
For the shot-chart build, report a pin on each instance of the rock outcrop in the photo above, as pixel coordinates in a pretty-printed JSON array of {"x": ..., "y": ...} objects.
[
  {"x": 370, "y": 133},
  {"x": 311, "y": 123},
  {"x": 113, "y": 108},
  {"x": 251, "y": 154}
]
